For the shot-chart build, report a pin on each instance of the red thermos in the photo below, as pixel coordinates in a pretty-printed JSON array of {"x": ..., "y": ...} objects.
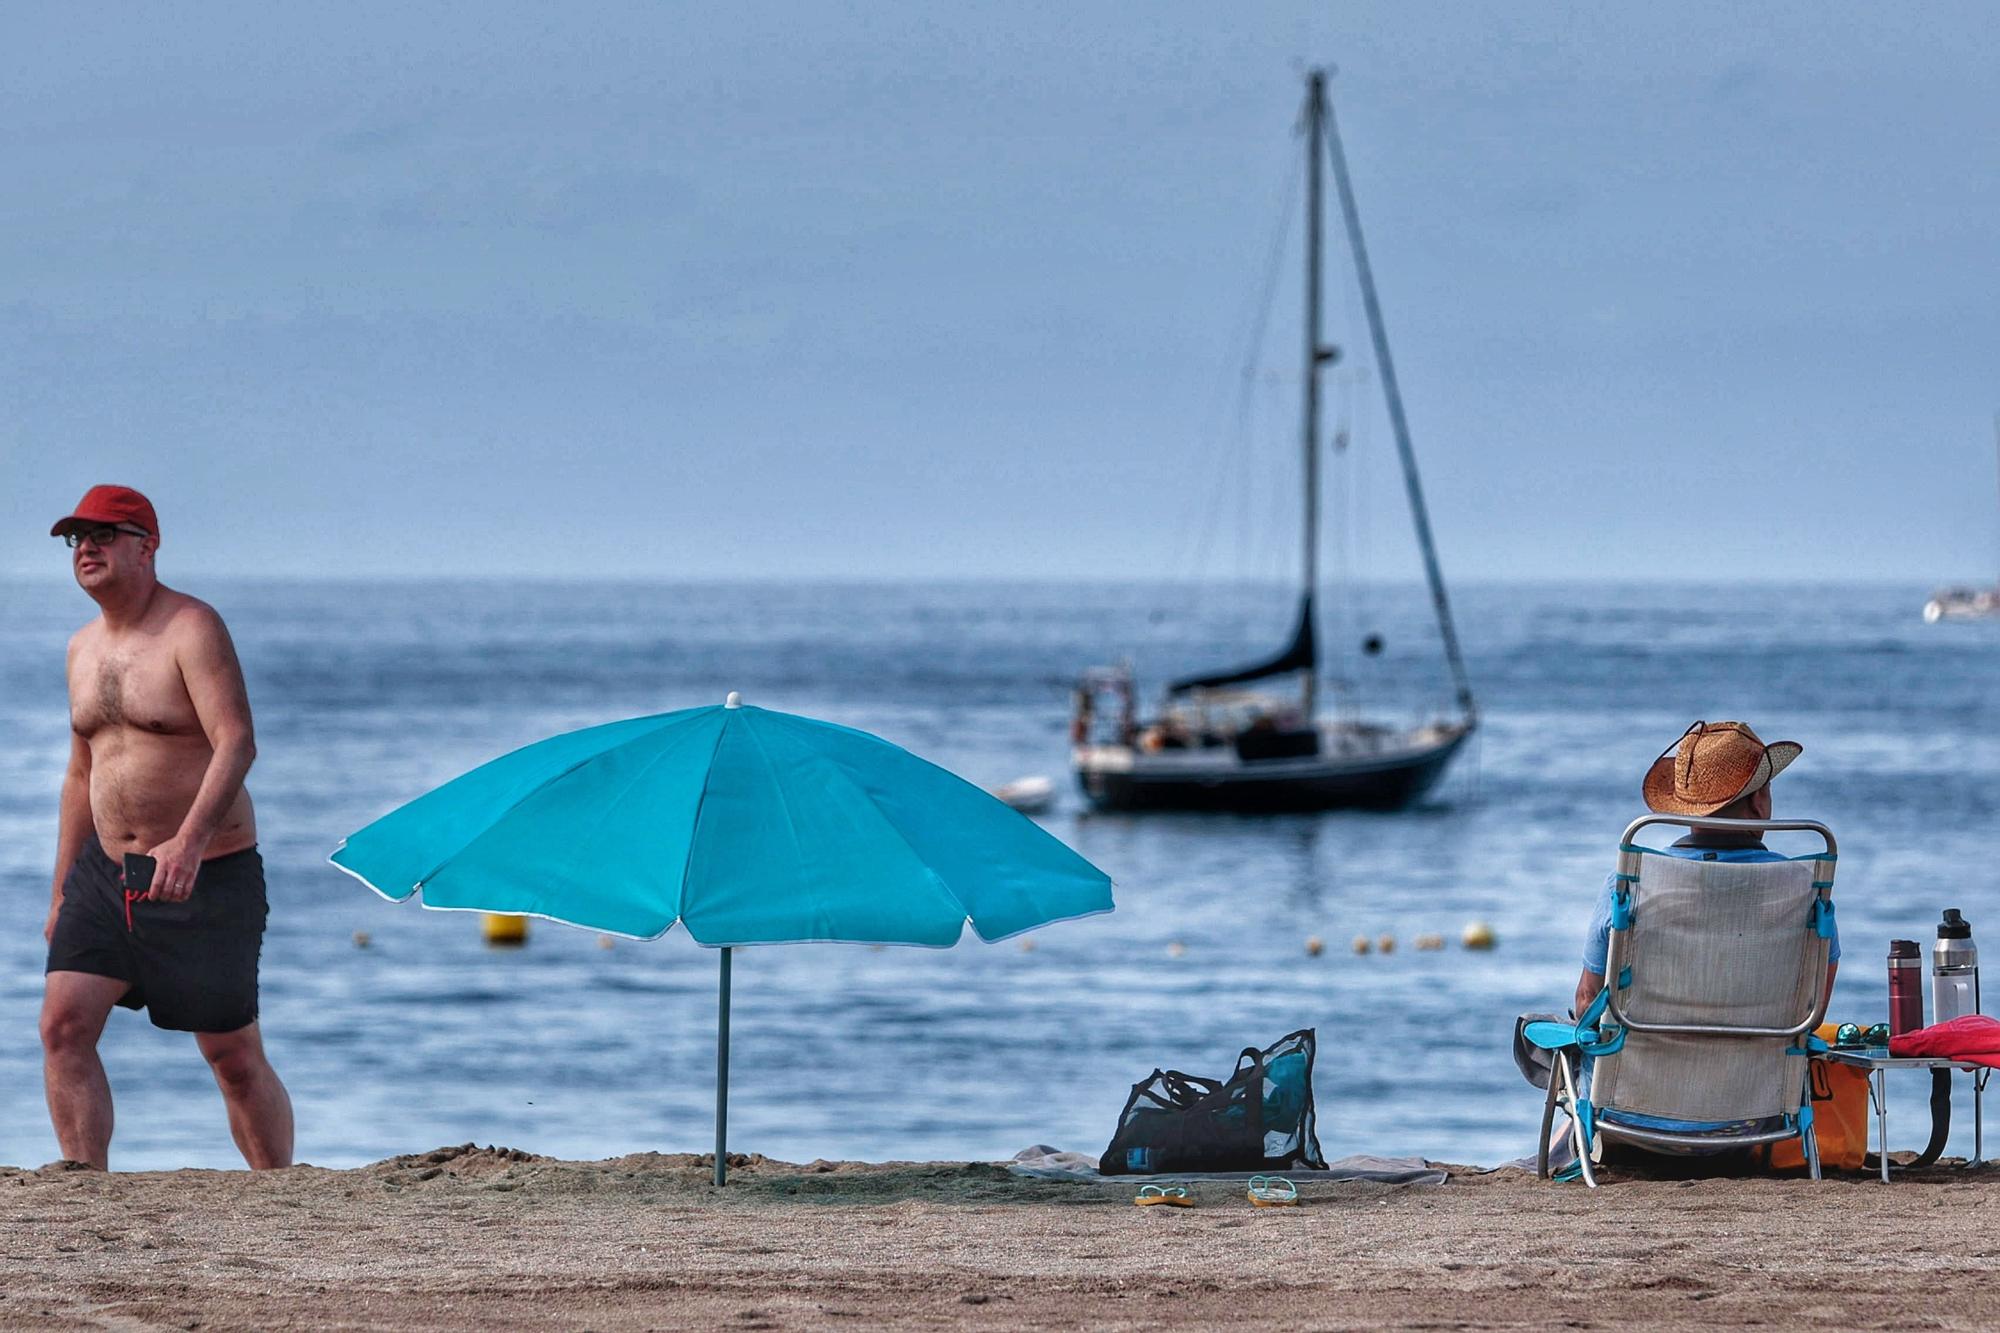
[{"x": 1906, "y": 986}]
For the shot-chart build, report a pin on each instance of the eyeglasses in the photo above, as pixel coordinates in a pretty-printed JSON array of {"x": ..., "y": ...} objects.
[
  {"x": 103, "y": 536},
  {"x": 1853, "y": 1034}
]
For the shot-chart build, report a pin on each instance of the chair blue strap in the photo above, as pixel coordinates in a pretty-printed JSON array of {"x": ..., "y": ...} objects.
[
  {"x": 1621, "y": 905},
  {"x": 1588, "y": 1034},
  {"x": 1822, "y": 917},
  {"x": 1655, "y": 851},
  {"x": 1811, "y": 1046},
  {"x": 1610, "y": 1045},
  {"x": 1610, "y": 1040},
  {"x": 1594, "y": 1037}
]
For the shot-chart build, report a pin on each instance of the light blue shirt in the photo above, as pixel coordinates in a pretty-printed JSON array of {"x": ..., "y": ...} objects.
[{"x": 1597, "y": 944}]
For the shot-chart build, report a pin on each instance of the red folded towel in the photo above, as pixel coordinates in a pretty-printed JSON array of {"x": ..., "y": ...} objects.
[{"x": 1972, "y": 1037}]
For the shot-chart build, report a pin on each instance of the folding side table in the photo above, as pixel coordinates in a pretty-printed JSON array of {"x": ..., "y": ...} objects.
[{"x": 1877, "y": 1062}]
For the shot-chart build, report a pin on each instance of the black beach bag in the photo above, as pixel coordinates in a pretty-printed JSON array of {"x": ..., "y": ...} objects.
[{"x": 1260, "y": 1119}]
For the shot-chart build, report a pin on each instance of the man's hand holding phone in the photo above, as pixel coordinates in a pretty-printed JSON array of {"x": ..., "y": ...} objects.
[
  {"x": 138, "y": 876},
  {"x": 174, "y": 872}
]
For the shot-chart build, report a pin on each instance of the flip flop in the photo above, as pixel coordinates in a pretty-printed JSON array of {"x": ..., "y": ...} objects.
[
  {"x": 1173, "y": 1196},
  {"x": 1273, "y": 1192}
]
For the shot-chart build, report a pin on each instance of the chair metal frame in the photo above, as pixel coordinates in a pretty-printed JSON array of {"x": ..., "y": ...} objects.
[{"x": 1563, "y": 1077}]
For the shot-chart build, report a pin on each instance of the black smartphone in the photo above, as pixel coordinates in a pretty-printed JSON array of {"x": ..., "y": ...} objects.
[{"x": 139, "y": 872}]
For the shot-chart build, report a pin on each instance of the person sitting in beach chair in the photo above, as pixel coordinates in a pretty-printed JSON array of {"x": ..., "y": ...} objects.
[
  {"x": 1720, "y": 770},
  {"x": 1706, "y": 966}
]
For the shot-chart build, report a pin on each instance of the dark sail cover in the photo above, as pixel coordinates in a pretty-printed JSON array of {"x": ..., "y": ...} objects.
[{"x": 1303, "y": 655}]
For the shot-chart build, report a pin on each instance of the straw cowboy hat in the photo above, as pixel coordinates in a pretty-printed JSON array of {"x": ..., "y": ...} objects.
[{"x": 1712, "y": 765}]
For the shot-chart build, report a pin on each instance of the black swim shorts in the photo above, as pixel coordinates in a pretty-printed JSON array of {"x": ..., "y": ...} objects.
[{"x": 192, "y": 964}]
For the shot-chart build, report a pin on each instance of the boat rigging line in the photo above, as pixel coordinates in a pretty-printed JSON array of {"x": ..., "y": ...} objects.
[
  {"x": 1398, "y": 423},
  {"x": 1252, "y": 327}
]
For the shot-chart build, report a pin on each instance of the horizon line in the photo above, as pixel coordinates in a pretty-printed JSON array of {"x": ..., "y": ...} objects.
[{"x": 1006, "y": 580}]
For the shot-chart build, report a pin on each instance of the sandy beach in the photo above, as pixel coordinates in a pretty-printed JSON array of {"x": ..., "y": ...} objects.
[{"x": 478, "y": 1238}]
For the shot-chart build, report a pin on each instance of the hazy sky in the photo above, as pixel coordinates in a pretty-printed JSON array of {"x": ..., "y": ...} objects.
[{"x": 815, "y": 290}]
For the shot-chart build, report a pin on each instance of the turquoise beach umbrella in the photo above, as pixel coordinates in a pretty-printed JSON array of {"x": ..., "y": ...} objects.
[{"x": 744, "y": 825}]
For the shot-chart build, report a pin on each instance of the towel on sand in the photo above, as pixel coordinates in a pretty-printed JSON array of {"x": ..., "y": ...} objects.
[{"x": 1049, "y": 1164}]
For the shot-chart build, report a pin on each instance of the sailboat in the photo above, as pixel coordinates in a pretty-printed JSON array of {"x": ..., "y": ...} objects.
[
  {"x": 1966, "y": 603},
  {"x": 1218, "y": 746}
]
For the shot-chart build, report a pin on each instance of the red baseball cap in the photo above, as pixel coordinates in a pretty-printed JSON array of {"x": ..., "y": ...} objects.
[{"x": 110, "y": 504}]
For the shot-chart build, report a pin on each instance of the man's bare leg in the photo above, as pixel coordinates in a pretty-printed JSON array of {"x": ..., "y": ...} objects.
[
  {"x": 260, "y": 1110},
  {"x": 74, "y": 1007}
]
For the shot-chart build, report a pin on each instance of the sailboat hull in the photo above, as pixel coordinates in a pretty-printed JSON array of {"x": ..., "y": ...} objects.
[{"x": 1382, "y": 777}]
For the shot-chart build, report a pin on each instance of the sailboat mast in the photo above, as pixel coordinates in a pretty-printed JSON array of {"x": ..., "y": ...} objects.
[
  {"x": 1420, "y": 516},
  {"x": 1315, "y": 353}
]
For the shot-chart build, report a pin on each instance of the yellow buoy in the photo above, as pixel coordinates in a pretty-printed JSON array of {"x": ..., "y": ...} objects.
[
  {"x": 1477, "y": 935},
  {"x": 606, "y": 942},
  {"x": 1315, "y": 946},
  {"x": 1361, "y": 944},
  {"x": 1387, "y": 944},
  {"x": 500, "y": 928},
  {"x": 361, "y": 939},
  {"x": 1429, "y": 943},
  {"x": 1027, "y": 944},
  {"x": 1176, "y": 949}
]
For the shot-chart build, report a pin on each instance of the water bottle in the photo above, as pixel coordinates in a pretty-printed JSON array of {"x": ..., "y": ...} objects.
[
  {"x": 1906, "y": 986},
  {"x": 1954, "y": 969}
]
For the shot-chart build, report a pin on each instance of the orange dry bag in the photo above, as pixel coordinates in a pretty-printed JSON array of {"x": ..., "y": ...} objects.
[{"x": 1840, "y": 1117}]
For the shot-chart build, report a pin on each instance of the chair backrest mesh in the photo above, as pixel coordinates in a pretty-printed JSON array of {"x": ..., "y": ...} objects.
[{"x": 1717, "y": 943}]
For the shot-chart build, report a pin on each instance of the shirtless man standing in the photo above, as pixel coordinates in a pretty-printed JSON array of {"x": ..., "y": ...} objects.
[{"x": 160, "y": 741}]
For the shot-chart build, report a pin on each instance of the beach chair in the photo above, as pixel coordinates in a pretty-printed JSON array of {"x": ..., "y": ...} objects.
[{"x": 1714, "y": 980}]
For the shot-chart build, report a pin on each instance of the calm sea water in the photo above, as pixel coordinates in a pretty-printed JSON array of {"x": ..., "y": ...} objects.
[{"x": 368, "y": 695}]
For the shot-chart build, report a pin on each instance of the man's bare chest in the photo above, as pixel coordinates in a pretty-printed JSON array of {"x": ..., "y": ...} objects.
[{"x": 139, "y": 688}]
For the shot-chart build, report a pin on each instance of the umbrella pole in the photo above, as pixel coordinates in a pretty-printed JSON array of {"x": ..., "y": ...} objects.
[{"x": 722, "y": 1074}]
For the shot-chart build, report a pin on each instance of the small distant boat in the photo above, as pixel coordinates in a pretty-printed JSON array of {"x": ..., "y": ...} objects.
[
  {"x": 1965, "y": 603},
  {"x": 1962, "y": 604},
  {"x": 1031, "y": 796},
  {"x": 1217, "y": 746}
]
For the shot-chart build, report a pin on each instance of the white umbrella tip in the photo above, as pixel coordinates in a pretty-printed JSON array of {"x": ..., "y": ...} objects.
[{"x": 734, "y": 700}]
